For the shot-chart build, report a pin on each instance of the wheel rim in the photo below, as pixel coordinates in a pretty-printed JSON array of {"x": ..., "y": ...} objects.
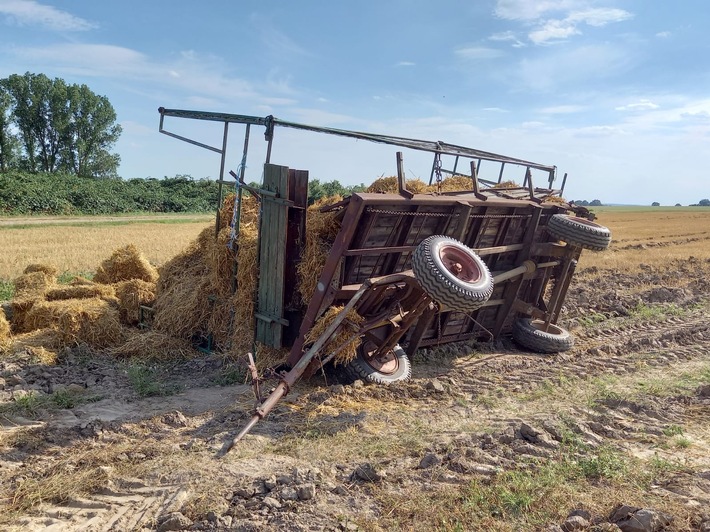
[
  {"x": 584, "y": 221},
  {"x": 460, "y": 264},
  {"x": 385, "y": 363},
  {"x": 550, "y": 329}
]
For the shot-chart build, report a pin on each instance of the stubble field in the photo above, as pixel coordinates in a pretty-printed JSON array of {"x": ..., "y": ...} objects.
[{"x": 484, "y": 437}]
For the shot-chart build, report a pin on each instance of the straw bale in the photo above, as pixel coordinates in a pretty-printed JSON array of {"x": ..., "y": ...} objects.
[
  {"x": 80, "y": 291},
  {"x": 21, "y": 306},
  {"x": 5, "y": 334},
  {"x": 321, "y": 230},
  {"x": 91, "y": 321},
  {"x": 153, "y": 345},
  {"x": 391, "y": 185},
  {"x": 345, "y": 335},
  {"x": 33, "y": 282},
  {"x": 47, "y": 269},
  {"x": 131, "y": 295},
  {"x": 249, "y": 211},
  {"x": 125, "y": 264}
]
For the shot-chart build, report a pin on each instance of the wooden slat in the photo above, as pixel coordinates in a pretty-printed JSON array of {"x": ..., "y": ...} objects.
[{"x": 272, "y": 257}]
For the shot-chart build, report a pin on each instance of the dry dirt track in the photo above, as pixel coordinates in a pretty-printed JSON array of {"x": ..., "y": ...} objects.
[{"x": 635, "y": 387}]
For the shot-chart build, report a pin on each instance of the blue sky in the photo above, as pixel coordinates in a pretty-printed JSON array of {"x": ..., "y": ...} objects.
[{"x": 613, "y": 92}]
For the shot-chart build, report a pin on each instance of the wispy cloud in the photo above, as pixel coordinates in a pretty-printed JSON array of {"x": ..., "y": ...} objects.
[
  {"x": 197, "y": 76},
  {"x": 557, "y": 20},
  {"x": 495, "y": 110},
  {"x": 641, "y": 105},
  {"x": 663, "y": 34},
  {"x": 32, "y": 13},
  {"x": 478, "y": 52},
  {"x": 405, "y": 64},
  {"x": 507, "y": 36}
]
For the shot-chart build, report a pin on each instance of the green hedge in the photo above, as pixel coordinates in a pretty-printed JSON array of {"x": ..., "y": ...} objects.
[{"x": 24, "y": 193}]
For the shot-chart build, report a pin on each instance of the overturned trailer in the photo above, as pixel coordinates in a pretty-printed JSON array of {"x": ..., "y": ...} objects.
[{"x": 419, "y": 269}]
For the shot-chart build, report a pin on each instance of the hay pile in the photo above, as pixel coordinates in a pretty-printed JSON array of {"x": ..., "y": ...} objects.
[
  {"x": 345, "y": 338},
  {"x": 506, "y": 184},
  {"x": 80, "y": 291},
  {"x": 194, "y": 295},
  {"x": 390, "y": 185},
  {"x": 125, "y": 264}
]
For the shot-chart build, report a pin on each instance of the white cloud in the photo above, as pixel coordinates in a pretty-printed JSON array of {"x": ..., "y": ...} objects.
[
  {"x": 599, "y": 16},
  {"x": 561, "y": 109},
  {"x": 478, "y": 52},
  {"x": 555, "y": 20},
  {"x": 663, "y": 34},
  {"x": 495, "y": 110},
  {"x": 405, "y": 64},
  {"x": 641, "y": 105},
  {"x": 32, "y": 13},
  {"x": 553, "y": 30}
]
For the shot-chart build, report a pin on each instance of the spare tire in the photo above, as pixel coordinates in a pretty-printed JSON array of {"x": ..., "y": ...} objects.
[
  {"x": 451, "y": 273},
  {"x": 579, "y": 232},
  {"x": 531, "y": 334},
  {"x": 393, "y": 366}
]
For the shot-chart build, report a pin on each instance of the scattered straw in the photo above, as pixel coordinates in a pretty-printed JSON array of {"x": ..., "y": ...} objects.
[
  {"x": 131, "y": 295},
  {"x": 79, "y": 280},
  {"x": 454, "y": 184},
  {"x": 80, "y": 291},
  {"x": 153, "y": 345},
  {"x": 43, "y": 344},
  {"x": 345, "y": 335},
  {"x": 125, "y": 264}
]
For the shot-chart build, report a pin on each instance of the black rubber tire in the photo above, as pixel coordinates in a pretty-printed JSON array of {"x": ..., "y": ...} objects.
[
  {"x": 445, "y": 287},
  {"x": 528, "y": 333},
  {"x": 579, "y": 232},
  {"x": 360, "y": 368}
]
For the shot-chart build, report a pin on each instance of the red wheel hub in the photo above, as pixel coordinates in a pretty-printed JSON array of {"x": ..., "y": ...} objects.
[{"x": 459, "y": 263}]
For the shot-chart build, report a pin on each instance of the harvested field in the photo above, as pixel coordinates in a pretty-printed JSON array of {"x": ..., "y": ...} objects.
[{"x": 484, "y": 437}]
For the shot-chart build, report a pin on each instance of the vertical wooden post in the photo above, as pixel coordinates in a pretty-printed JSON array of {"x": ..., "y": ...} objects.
[
  {"x": 401, "y": 182},
  {"x": 295, "y": 243}
]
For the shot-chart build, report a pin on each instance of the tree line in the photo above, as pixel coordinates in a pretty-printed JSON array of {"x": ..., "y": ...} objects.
[{"x": 48, "y": 125}]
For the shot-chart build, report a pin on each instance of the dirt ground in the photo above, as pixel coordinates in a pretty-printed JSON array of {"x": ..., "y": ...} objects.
[{"x": 484, "y": 437}]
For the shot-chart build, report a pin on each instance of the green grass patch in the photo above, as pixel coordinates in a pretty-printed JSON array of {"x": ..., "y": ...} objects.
[
  {"x": 33, "y": 404},
  {"x": 7, "y": 290},
  {"x": 146, "y": 382},
  {"x": 649, "y": 312}
]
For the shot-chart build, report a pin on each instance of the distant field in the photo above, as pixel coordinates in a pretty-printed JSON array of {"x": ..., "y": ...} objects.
[
  {"x": 79, "y": 244},
  {"x": 651, "y": 235}
]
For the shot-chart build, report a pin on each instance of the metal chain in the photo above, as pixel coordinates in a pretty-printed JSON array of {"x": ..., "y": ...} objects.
[
  {"x": 437, "y": 171},
  {"x": 408, "y": 213}
]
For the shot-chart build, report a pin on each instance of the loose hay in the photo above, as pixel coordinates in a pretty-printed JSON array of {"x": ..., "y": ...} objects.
[
  {"x": 506, "y": 184},
  {"x": 125, "y": 264},
  {"x": 47, "y": 269},
  {"x": 91, "y": 321},
  {"x": 5, "y": 333},
  {"x": 454, "y": 184},
  {"x": 131, "y": 295},
  {"x": 321, "y": 230},
  {"x": 80, "y": 291},
  {"x": 33, "y": 282},
  {"x": 391, "y": 185},
  {"x": 42, "y": 344},
  {"x": 345, "y": 337},
  {"x": 21, "y": 306},
  {"x": 153, "y": 345}
]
